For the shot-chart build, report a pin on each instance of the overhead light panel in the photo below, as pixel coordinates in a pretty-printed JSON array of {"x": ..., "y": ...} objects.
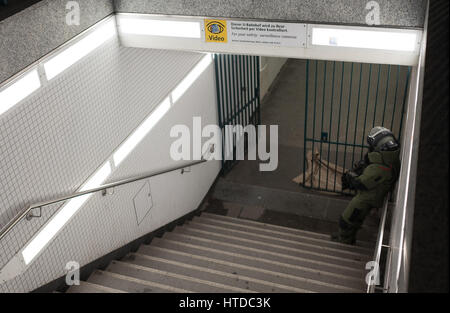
[
  {"x": 78, "y": 50},
  {"x": 19, "y": 90},
  {"x": 365, "y": 39},
  {"x": 164, "y": 28}
]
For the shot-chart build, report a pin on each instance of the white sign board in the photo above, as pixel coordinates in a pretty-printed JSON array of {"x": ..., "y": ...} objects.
[{"x": 270, "y": 33}]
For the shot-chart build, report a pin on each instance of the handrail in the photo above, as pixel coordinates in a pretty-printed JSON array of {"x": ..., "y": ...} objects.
[
  {"x": 399, "y": 258},
  {"x": 371, "y": 287},
  {"x": 8, "y": 227}
]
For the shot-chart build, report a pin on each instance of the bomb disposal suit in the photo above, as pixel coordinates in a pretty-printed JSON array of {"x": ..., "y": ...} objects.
[{"x": 372, "y": 178}]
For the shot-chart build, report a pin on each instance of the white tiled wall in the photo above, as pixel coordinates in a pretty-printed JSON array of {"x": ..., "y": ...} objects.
[{"x": 54, "y": 140}]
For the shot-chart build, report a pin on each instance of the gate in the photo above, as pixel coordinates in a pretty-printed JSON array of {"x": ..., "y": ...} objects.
[
  {"x": 343, "y": 101},
  {"x": 237, "y": 84}
]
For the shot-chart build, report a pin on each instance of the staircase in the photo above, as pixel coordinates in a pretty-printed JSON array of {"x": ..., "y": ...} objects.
[{"x": 215, "y": 253}]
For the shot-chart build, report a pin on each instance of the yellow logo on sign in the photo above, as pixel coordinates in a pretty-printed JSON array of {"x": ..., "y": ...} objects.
[{"x": 216, "y": 30}]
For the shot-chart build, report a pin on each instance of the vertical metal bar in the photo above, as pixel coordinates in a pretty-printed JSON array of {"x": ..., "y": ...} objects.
[
  {"x": 376, "y": 100},
  {"x": 251, "y": 90},
  {"x": 404, "y": 102},
  {"x": 323, "y": 113},
  {"x": 331, "y": 118},
  {"x": 255, "y": 114},
  {"x": 339, "y": 121},
  {"x": 247, "y": 90},
  {"x": 241, "y": 85},
  {"x": 357, "y": 112},
  {"x": 219, "y": 102},
  {"x": 229, "y": 105},
  {"x": 258, "y": 89},
  {"x": 367, "y": 106},
  {"x": 233, "y": 88},
  {"x": 386, "y": 95},
  {"x": 227, "y": 81},
  {"x": 395, "y": 98},
  {"x": 348, "y": 114},
  {"x": 306, "y": 120},
  {"x": 314, "y": 119},
  {"x": 238, "y": 91}
]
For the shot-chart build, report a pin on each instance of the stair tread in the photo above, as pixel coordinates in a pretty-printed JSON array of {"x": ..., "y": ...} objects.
[
  {"x": 171, "y": 279},
  {"x": 319, "y": 247},
  {"x": 129, "y": 284},
  {"x": 237, "y": 264},
  {"x": 326, "y": 256},
  {"x": 89, "y": 287},
  {"x": 287, "y": 230},
  {"x": 201, "y": 245},
  {"x": 307, "y": 238},
  {"x": 211, "y": 274}
]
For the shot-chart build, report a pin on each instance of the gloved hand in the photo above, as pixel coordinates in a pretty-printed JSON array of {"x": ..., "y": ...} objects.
[{"x": 347, "y": 179}]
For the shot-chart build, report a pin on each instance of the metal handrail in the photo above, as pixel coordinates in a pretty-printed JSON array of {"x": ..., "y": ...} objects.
[
  {"x": 8, "y": 227},
  {"x": 371, "y": 287}
]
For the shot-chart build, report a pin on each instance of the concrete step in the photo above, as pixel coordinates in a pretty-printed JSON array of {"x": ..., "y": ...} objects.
[
  {"x": 126, "y": 283},
  {"x": 202, "y": 246},
  {"x": 319, "y": 247},
  {"x": 170, "y": 279},
  {"x": 282, "y": 229},
  {"x": 279, "y": 234},
  {"x": 89, "y": 287},
  {"x": 212, "y": 274},
  {"x": 273, "y": 272},
  {"x": 323, "y": 256},
  {"x": 301, "y": 202}
]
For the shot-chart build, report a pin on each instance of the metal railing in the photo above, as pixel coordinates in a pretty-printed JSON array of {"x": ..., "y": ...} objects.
[
  {"x": 379, "y": 245},
  {"x": 27, "y": 213},
  {"x": 342, "y": 102},
  {"x": 399, "y": 258}
]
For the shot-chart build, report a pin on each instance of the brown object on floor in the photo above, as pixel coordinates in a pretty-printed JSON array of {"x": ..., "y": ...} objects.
[{"x": 314, "y": 166}]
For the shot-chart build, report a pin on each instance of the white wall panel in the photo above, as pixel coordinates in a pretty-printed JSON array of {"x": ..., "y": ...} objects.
[{"x": 55, "y": 139}]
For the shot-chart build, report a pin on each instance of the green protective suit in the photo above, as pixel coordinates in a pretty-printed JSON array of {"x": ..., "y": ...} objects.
[{"x": 378, "y": 178}]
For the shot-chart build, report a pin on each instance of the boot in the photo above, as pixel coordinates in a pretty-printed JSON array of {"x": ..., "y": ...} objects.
[{"x": 346, "y": 234}]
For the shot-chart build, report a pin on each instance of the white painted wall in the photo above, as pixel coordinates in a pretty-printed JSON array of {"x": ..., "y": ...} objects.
[
  {"x": 51, "y": 142},
  {"x": 270, "y": 67}
]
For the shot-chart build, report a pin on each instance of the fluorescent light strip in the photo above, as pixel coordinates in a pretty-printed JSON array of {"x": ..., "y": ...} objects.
[
  {"x": 191, "y": 77},
  {"x": 57, "y": 222},
  {"x": 139, "y": 134},
  {"x": 78, "y": 50},
  {"x": 166, "y": 28},
  {"x": 368, "y": 39},
  {"x": 19, "y": 90}
]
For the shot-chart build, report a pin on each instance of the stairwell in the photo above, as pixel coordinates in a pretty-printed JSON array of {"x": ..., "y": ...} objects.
[{"x": 213, "y": 253}]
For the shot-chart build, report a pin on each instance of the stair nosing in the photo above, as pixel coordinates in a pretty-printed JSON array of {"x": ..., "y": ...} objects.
[
  {"x": 183, "y": 277},
  {"x": 237, "y": 265},
  {"x": 281, "y": 240},
  {"x": 233, "y": 254},
  {"x": 212, "y": 215},
  {"x": 325, "y": 256},
  {"x": 263, "y": 251},
  {"x": 225, "y": 274},
  {"x": 101, "y": 287},
  {"x": 142, "y": 282},
  {"x": 284, "y": 233}
]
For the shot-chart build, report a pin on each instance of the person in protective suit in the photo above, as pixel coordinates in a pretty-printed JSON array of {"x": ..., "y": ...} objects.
[{"x": 372, "y": 178}]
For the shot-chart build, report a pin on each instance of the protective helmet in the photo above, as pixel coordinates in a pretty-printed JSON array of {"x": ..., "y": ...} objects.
[{"x": 382, "y": 139}]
